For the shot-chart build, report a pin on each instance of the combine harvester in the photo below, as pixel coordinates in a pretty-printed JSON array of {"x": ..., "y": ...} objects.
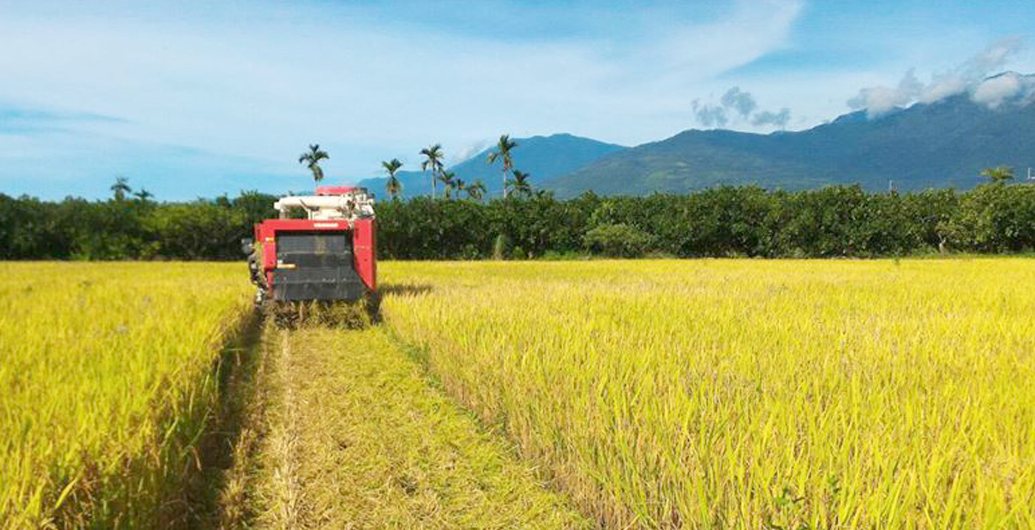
[{"x": 317, "y": 261}]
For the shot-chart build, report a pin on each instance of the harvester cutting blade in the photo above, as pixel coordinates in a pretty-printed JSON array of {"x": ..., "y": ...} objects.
[{"x": 334, "y": 314}]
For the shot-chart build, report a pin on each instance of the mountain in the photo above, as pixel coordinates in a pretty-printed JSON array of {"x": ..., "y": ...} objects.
[
  {"x": 941, "y": 144},
  {"x": 543, "y": 157}
]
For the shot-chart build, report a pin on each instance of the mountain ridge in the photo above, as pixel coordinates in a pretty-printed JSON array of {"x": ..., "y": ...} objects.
[{"x": 940, "y": 144}]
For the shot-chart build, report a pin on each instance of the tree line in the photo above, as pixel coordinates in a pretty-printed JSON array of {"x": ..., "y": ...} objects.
[
  {"x": 519, "y": 182},
  {"x": 838, "y": 221}
]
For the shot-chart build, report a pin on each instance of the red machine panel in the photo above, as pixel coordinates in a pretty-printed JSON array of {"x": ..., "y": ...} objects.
[
  {"x": 327, "y": 255},
  {"x": 362, "y": 240},
  {"x": 363, "y": 243},
  {"x": 364, "y": 247},
  {"x": 334, "y": 190}
]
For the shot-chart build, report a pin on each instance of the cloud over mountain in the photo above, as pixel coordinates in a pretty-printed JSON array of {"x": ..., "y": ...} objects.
[
  {"x": 774, "y": 119},
  {"x": 994, "y": 91},
  {"x": 970, "y": 76},
  {"x": 740, "y": 104}
]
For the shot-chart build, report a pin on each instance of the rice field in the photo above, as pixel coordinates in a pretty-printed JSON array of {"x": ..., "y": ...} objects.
[
  {"x": 108, "y": 375},
  {"x": 747, "y": 393},
  {"x": 618, "y": 394},
  {"x": 357, "y": 438}
]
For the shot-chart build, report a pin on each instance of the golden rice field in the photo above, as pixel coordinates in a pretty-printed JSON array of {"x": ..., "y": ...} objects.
[
  {"x": 107, "y": 376},
  {"x": 747, "y": 393},
  {"x": 646, "y": 394}
]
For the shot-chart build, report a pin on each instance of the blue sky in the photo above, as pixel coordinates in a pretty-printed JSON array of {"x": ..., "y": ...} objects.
[{"x": 201, "y": 98}]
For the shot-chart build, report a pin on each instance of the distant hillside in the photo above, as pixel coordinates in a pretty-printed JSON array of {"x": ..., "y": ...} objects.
[
  {"x": 543, "y": 157},
  {"x": 943, "y": 144}
]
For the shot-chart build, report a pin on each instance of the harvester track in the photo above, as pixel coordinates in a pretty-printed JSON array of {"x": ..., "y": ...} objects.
[{"x": 355, "y": 437}]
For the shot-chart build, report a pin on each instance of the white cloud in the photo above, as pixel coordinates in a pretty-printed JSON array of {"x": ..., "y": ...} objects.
[
  {"x": 264, "y": 82},
  {"x": 967, "y": 76},
  {"x": 709, "y": 115},
  {"x": 994, "y": 91},
  {"x": 774, "y": 119},
  {"x": 740, "y": 105},
  {"x": 755, "y": 28},
  {"x": 941, "y": 87},
  {"x": 468, "y": 151},
  {"x": 879, "y": 99},
  {"x": 992, "y": 58},
  {"x": 740, "y": 101}
]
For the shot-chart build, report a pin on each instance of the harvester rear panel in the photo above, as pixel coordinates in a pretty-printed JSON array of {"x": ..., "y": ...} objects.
[{"x": 327, "y": 257}]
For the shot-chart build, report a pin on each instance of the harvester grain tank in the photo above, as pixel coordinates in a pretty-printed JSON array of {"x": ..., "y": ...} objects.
[{"x": 321, "y": 249}]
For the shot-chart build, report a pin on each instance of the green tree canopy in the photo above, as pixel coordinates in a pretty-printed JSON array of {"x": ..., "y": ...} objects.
[
  {"x": 998, "y": 173},
  {"x": 520, "y": 185}
]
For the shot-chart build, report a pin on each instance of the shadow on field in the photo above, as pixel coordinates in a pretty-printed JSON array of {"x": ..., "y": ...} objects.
[
  {"x": 203, "y": 503},
  {"x": 404, "y": 289}
]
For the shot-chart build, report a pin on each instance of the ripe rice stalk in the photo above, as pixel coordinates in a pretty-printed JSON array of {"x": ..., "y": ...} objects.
[
  {"x": 747, "y": 393},
  {"x": 109, "y": 374}
]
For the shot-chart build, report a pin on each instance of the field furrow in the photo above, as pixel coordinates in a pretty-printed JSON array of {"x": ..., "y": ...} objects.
[{"x": 358, "y": 438}]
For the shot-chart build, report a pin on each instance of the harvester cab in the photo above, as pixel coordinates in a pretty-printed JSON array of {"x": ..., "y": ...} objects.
[{"x": 320, "y": 249}]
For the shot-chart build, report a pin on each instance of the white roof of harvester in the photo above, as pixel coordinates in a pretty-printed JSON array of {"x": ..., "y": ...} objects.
[{"x": 331, "y": 204}]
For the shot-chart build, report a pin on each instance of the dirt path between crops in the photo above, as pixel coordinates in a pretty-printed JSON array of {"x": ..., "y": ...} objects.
[{"x": 354, "y": 436}]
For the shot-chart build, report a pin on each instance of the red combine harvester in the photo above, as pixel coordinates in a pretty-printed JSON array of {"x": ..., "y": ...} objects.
[{"x": 327, "y": 256}]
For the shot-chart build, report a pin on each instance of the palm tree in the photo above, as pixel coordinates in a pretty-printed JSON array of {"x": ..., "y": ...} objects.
[
  {"x": 143, "y": 195},
  {"x": 432, "y": 160},
  {"x": 476, "y": 191},
  {"x": 998, "y": 174},
  {"x": 502, "y": 153},
  {"x": 448, "y": 179},
  {"x": 392, "y": 186},
  {"x": 121, "y": 188},
  {"x": 312, "y": 159},
  {"x": 459, "y": 185},
  {"x": 520, "y": 184}
]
